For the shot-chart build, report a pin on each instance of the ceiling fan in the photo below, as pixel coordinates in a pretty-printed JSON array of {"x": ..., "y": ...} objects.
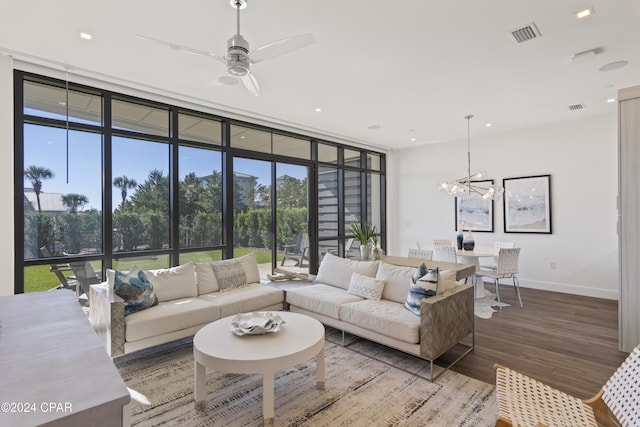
[{"x": 238, "y": 58}]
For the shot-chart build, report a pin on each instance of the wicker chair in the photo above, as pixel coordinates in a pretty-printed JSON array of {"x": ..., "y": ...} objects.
[
  {"x": 420, "y": 254},
  {"x": 506, "y": 268},
  {"x": 523, "y": 401}
]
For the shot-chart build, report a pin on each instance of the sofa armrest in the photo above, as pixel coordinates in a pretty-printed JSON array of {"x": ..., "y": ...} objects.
[
  {"x": 106, "y": 314},
  {"x": 446, "y": 320}
]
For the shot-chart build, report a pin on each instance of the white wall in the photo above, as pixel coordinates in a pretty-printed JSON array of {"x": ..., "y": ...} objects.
[
  {"x": 580, "y": 156},
  {"x": 6, "y": 175}
]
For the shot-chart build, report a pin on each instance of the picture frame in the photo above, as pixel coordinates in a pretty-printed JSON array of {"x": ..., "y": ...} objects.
[
  {"x": 474, "y": 213},
  {"x": 527, "y": 204}
]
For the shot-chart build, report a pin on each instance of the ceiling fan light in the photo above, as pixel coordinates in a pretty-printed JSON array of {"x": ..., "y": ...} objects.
[{"x": 237, "y": 68}]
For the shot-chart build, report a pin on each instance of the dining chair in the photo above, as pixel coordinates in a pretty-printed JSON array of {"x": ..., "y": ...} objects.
[
  {"x": 523, "y": 401},
  {"x": 445, "y": 253},
  {"x": 506, "y": 268},
  {"x": 426, "y": 254},
  {"x": 442, "y": 242},
  {"x": 497, "y": 245}
]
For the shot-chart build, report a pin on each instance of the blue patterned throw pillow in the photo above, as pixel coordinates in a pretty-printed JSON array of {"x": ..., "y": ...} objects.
[
  {"x": 424, "y": 284},
  {"x": 135, "y": 289}
]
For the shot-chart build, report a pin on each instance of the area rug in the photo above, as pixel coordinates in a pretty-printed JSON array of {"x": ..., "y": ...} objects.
[
  {"x": 360, "y": 391},
  {"x": 485, "y": 307}
]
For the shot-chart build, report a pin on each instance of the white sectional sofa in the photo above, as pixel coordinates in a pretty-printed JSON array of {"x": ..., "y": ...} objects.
[
  {"x": 189, "y": 297},
  {"x": 445, "y": 320}
]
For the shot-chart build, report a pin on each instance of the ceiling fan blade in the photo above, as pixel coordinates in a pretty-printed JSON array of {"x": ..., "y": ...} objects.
[
  {"x": 185, "y": 49},
  {"x": 280, "y": 47},
  {"x": 251, "y": 84}
]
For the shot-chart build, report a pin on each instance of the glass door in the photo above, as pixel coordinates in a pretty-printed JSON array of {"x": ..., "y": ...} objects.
[{"x": 292, "y": 233}]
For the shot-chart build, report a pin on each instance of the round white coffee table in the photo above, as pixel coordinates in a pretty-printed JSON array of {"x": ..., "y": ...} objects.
[{"x": 216, "y": 347}]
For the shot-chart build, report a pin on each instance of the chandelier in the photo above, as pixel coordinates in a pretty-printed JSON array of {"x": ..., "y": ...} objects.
[{"x": 470, "y": 184}]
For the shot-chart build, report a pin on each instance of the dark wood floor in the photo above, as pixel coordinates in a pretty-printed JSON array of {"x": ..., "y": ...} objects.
[{"x": 569, "y": 342}]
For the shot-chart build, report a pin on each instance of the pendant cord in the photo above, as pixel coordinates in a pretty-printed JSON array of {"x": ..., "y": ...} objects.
[
  {"x": 66, "y": 103},
  {"x": 468, "y": 117},
  {"x": 238, "y": 16}
]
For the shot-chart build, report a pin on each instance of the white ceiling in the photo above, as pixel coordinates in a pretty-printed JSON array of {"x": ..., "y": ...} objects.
[{"x": 414, "y": 68}]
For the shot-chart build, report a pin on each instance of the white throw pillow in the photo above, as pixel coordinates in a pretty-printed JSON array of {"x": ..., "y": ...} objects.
[
  {"x": 174, "y": 283},
  {"x": 205, "y": 278},
  {"x": 337, "y": 271},
  {"x": 396, "y": 281},
  {"x": 366, "y": 287},
  {"x": 446, "y": 281},
  {"x": 250, "y": 266}
]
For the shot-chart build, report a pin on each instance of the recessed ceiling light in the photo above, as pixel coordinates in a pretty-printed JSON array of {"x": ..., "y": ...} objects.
[
  {"x": 585, "y": 12},
  {"x": 413, "y": 140},
  {"x": 488, "y": 125},
  {"x": 374, "y": 127},
  {"x": 610, "y": 100},
  {"x": 86, "y": 36},
  {"x": 318, "y": 109},
  {"x": 613, "y": 65}
]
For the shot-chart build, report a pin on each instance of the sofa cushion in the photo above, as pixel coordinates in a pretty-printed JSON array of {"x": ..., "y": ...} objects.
[
  {"x": 169, "y": 317},
  {"x": 321, "y": 299},
  {"x": 423, "y": 287},
  {"x": 384, "y": 317},
  {"x": 134, "y": 288},
  {"x": 251, "y": 297},
  {"x": 236, "y": 272},
  {"x": 205, "y": 278},
  {"x": 337, "y": 271},
  {"x": 250, "y": 265},
  {"x": 446, "y": 280},
  {"x": 366, "y": 287},
  {"x": 229, "y": 273},
  {"x": 175, "y": 282},
  {"x": 396, "y": 281}
]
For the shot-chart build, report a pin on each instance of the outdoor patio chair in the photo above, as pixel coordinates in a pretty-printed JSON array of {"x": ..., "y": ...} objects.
[
  {"x": 523, "y": 401},
  {"x": 56, "y": 269},
  {"x": 85, "y": 276},
  {"x": 299, "y": 251}
]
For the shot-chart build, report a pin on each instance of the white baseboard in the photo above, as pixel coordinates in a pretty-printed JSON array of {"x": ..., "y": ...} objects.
[{"x": 565, "y": 288}]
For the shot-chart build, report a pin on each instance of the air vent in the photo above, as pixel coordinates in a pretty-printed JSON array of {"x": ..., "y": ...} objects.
[
  {"x": 576, "y": 107},
  {"x": 525, "y": 33}
]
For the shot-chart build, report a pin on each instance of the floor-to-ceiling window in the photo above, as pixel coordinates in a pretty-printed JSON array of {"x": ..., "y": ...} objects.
[{"x": 106, "y": 180}]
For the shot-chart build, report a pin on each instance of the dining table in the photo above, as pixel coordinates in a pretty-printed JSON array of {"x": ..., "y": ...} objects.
[{"x": 473, "y": 257}]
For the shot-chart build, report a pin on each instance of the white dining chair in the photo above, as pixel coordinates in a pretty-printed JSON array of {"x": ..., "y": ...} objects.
[
  {"x": 499, "y": 245},
  {"x": 426, "y": 254},
  {"x": 445, "y": 253},
  {"x": 442, "y": 242},
  {"x": 506, "y": 268},
  {"x": 491, "y": 265}
]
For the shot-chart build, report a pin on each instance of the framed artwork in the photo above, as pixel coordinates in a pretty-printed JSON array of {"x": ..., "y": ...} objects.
[
  {"x": 473, "y": 212},
  {"x": 527, "y": 204}
]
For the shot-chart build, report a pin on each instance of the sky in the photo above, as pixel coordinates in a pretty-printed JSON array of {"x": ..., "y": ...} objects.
[{"x": 47, "y": 147}]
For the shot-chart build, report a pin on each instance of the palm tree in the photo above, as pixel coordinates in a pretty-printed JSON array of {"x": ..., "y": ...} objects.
[
  {"x": 74, "y": 201},
  {"x": 124, "y": 184},
  {"x": 36, "y": 174}
]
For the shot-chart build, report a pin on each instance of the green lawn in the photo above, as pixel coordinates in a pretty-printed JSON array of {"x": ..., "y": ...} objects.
[{"x": 39, "y": 278}]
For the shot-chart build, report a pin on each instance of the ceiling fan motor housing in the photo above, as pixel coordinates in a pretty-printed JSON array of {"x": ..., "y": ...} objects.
[{"x": 238, "y": 55}]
